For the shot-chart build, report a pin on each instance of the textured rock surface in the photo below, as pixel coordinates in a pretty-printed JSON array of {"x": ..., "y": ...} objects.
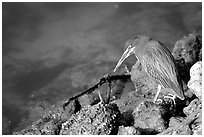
[
  {"x": 200, "y": 54},
  {"x": 186, "y": 52},
  {"x": 149, "y": 117},
  {"x": 29, "y": 131},
  {"x": 196, "y": 71},
  {"x": 192, "y": 124},
  {"x": 194, "y": 106},
  {"x": 128, "y": 131},
  {"x": 142, "y": 81},
  {"x": 197, "y": 128},
  {"x": 195, "y": 83},
  {"x": 99, "y": 119},
  {"x": 188, "y": 48},
  {"x": 184, "y": 130}
]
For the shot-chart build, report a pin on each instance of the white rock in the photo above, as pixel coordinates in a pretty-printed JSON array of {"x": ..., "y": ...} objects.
[
  {"x": 195, "y": 83},
  {"x": 196, "y": 71},
  {"x": 131, "y": 130},
  {"x": 196, "y": 87}
]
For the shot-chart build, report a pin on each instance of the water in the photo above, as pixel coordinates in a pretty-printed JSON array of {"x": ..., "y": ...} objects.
[{"x": 45, "y": 44}]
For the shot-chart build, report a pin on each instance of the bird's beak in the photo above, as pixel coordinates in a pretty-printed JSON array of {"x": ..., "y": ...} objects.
[{"x": 129, "y": 51}]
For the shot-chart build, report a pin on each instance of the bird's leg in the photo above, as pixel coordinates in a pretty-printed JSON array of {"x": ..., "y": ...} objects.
[
  {"x": 157, "y": 94},
  {"x": 100, "y": 97},
  {"x": 108, "y": 92},
  {"x": 127, "y": 70}
]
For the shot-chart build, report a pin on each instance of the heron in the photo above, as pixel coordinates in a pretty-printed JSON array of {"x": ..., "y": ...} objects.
[{"x": 157, "y": 61}]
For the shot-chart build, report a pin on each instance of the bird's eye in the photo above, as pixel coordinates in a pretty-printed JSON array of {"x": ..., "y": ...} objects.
[
  {"x": 127, "y": 46},
  {"x": 130, "y": 46}
]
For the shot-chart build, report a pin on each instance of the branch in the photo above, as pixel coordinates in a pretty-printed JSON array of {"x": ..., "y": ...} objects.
[{"x": 104, "y": 79}]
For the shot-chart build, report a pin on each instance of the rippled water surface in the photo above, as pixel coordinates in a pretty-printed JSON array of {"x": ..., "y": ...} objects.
[{"x": 53, "y": 50}]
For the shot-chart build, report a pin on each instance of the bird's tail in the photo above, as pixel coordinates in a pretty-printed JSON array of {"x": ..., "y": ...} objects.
[
  {"x": 177, "y": 88},
  {"x": 181, "y": 90}
]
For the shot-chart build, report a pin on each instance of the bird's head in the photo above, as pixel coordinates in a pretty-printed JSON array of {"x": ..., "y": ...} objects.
[
  {"x": 129, "y": 51},
  {"x": 134, "y": 45}
]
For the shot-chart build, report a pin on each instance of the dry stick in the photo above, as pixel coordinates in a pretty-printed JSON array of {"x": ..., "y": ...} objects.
[{"x": 104, "y": 79}]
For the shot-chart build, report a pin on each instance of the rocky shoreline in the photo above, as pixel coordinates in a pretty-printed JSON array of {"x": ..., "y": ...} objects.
[{"x": 134, "y": 113}]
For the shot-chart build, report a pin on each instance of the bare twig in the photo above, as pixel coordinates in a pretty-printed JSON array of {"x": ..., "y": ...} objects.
[{"x": 104, "y": 79}]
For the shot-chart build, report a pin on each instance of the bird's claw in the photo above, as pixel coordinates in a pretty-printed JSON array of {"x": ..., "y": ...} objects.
[
  {"x": 172, "y": 97},
  {"x": 158, "y": 100},
  {"x": 100, "y": 96}
]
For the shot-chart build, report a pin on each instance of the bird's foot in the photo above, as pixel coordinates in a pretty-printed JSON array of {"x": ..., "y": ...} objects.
[
  {"x": 172, "y": 97},
  {"x": 158, "y": 101},
  {"x": 100, "y": 97}
]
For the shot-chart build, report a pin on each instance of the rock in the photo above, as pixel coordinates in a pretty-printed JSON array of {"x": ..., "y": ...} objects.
[
  {"x": 187, "y": 52},
  {"x": 129, "y": 102},
  {"x": 196, "y": 71},
  {"x": 188, "y": 93},
  {"x": 179, "y": 130},
  {"x": 192, "y": 124},
  {"x": 50, "y": 128},
  {"x": 193, "y": 107},
  {"x": 188, "y": 48},
  {"x": 99, "y": 119},
  {"x": 50, "y": 123},
  {"x": 143, "y": 82},
  {"x": 196, "y": 124},
  {"x": 196, "y": 87},
  {"x": 195, "y": 83},
  {"x": 128, "y": 131},
  {"x": 175, "y": 121},
  {"x": 200, "y": 55},
  {"x": 183, "y": 130},
  {"x": 29, "y": 131},
  {"x": 197, "y": 129},
  {"x": 183, "y": 70},
  {"x": 177, "y": 127},
  {"x": 126, "y": 118},
  {"x": 149, "y": 118}
]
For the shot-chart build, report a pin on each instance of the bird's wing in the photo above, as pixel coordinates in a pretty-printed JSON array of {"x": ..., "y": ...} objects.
[
  {"x": 160, "y": 65},
  {"x": 164, "y": 80}
]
